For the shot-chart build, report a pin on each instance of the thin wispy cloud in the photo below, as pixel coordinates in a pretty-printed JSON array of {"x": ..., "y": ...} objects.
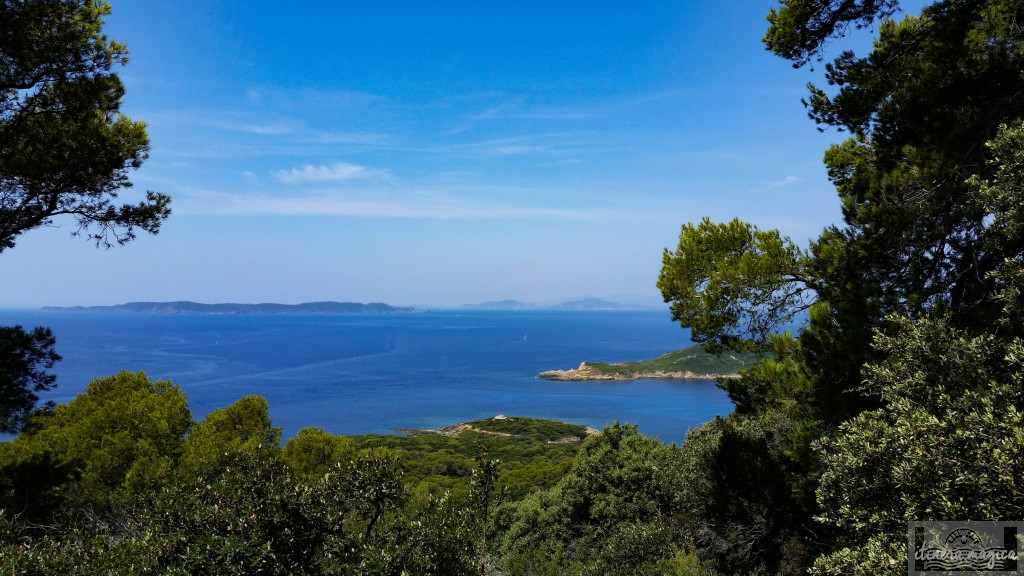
[
  {"x": 470, "y": 123},
  {"x": 516, "y": 150},
  {"x": 423, "y": 205},
  {"x": 257, "y": 128},
  {"x": 336, "y": 138},
  {"x": 519, "y": 108},
  {"x": 554, "y": 114},
  {"x": 312, "y": 97},
  {"x": 336, "y": 172},
  {"x": 303, "y": 146},
  {"x": 224, "y": 121},
  {"x": 551, "y": 144},
  {"x": 786, "y": 182},
  {"x": 516, "y": 108}
]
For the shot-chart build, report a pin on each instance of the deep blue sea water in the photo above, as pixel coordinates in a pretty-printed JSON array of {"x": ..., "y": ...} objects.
[{"x": 353, "y": 374}]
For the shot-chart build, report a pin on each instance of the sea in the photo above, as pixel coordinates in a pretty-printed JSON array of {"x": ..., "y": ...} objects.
[{"x": 379, "y": 373}]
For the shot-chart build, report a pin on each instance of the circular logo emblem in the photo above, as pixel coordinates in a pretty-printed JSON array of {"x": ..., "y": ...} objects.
[{"x": 964, "y": 539}]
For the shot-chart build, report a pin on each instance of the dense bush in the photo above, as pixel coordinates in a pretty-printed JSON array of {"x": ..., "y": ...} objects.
[
  {"x": 122, "y": 481},
  {"x": 615, "y": 512}
]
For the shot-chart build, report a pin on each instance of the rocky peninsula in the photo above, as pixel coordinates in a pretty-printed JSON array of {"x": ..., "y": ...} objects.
[
  {"x": 693, "y": 363},
  {"x": 588, "y": 372}
]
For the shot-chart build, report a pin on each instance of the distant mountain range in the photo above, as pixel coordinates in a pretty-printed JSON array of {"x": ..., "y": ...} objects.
[
  {"x": 577, "y": 304},
  {"x": 593, "y": 304},
  {"x": 186, "y": 307},
  {"x": 499, "y": 305}
]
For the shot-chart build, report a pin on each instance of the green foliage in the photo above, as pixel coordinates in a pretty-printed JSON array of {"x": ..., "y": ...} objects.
[
  {"x": 243, "y": 427},
  {"x": 65, "y": 148},
  {"x": 931, "y": 227},
  {"x": 533, "y": 429},
  {"x": 376, "y": 485},
  {"x": 623, "y": 488},
  {"x": 253, "y": 517},
  {"x": 24, "y": 359},
  {"x": 532, "y": 457},
  {"x": 243, "y": 518},
  {"x": 119, "y": 438},
  {"x": 117, "y": 482},
  {"x": 684, "y": 563},
  {"x": 733, "y": 284},
  {"x": 947, "y": 444},
  {"x": 920, "y": 105},
  {"x": 920, "y": 230},
  {"x": 121, "y": 481},
  {"x": 484, "y": 487},
  {"x": 776, "y": 380},
  {"x": 739, "y": 506},
  {"x": 1000, "y": 199},
  {"x": 801, "y": 28},
  {"x": 442, "y": 540},
  {"x": 313, "y": 453}
]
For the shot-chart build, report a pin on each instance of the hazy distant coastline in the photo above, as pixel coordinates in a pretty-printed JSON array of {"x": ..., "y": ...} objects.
[
  {"x": 187, "y": 307},
  {"x": 330, "y": 307},
  {"x": 587, "y": 303}
]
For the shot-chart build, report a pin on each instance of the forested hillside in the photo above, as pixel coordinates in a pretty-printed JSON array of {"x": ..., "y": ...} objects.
[{"x": 122, "y": 481}]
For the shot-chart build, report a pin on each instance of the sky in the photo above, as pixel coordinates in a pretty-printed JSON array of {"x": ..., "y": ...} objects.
[{"x": 449, "y": 153}]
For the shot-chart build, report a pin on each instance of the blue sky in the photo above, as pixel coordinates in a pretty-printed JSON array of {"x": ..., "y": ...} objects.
[{"x": 414, "y": 153}]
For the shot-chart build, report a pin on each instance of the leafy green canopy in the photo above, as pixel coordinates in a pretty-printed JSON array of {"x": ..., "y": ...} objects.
[
  {"x": 24, "y": 358},
  {"x": 732, "y": 283},
  {"x": 534, "y": 453},
  {"x": 920, "y": 108},
  {"x": 121, "y": 481},
  {"x": 930, "y": 183},
  {"x": 618, "y": 511},
  {"x": 916, "y": 240},
  {"x": 947, "y": 444},
  {"x": 65, "y": 148},
  {"x": 1001, "y": 196},
  {"x": 117, "y": 440},
  {"x": 801, "y": 28},
  {"x": 947, "y": 441}
]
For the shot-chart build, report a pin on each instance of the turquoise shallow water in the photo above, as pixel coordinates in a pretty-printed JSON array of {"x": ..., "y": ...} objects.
[{"x": 352, "y": 374}]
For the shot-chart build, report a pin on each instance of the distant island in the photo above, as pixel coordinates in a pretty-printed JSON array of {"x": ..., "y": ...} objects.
[
  {"x": 498, "y": 305},
  {"x": 186, "y": 307},
  {"x": 577, "y": 304},
  {"x": 693, "y": 363}
]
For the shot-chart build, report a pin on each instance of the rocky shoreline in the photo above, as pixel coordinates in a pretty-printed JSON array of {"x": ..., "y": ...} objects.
[{"x": 586, "y": 372}]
